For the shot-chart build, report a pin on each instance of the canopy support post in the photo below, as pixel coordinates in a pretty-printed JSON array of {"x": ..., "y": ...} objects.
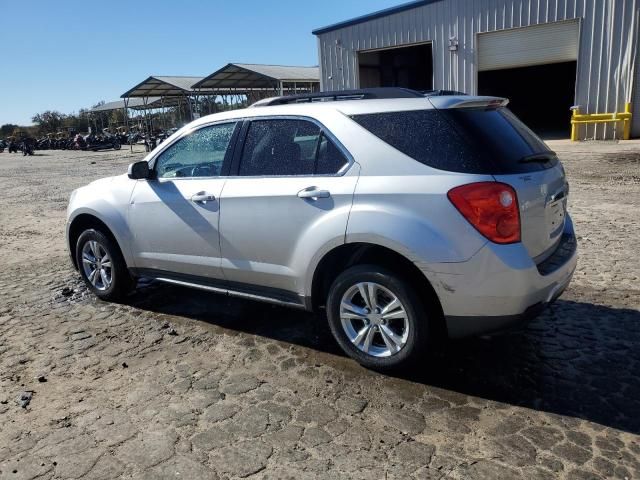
[{"x": 126, "y": 119}]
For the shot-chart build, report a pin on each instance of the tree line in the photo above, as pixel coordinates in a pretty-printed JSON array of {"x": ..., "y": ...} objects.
[{"x": 53, "y": 121}]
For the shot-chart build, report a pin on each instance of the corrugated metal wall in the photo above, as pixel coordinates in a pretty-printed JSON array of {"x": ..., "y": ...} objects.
[{"x": 606, "y": 52}]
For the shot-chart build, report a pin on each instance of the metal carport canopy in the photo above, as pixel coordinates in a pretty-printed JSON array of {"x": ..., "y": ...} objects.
[
  {"x": 238, "y": 76},
  {"x": 136, "y": 103},
  {"x": 157, "y": 86}
]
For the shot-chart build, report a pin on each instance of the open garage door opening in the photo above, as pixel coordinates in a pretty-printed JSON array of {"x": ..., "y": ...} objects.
[
  {"x": 535, "y": 68},
  {"x": 408, "y": 67},
  {"x": 541, "y": 95}
]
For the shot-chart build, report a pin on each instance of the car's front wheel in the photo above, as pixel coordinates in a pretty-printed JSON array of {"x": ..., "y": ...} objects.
[
  {"x": 101, "y": 266},
  {"x": 377, "y": 318}
]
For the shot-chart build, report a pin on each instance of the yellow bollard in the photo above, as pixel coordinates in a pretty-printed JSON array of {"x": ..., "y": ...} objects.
[
  {"x": 595, "y": 118},
  {"x": 574, "y": 126}
]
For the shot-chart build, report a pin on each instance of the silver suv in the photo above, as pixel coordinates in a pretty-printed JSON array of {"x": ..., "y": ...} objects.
[{"x": 407, "y": 216}]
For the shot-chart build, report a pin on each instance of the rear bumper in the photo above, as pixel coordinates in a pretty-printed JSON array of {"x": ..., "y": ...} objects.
[
  {"x": 501, "y": 286},
  {"x": 460, "y": 327}
]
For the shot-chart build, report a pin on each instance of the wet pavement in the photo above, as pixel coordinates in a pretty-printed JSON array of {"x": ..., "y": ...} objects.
[{"x": 176, "y": 381}]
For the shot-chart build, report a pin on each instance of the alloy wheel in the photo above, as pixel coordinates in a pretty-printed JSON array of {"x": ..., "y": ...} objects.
[
  {"x": 374, "y": 319},
  {"x": 96, "y": 264}
]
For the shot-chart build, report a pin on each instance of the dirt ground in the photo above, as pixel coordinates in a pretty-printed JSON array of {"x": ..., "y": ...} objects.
[{"x": 182, "y": 384}]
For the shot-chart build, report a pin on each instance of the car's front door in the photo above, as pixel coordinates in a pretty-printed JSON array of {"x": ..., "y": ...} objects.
[
  {"x": 174, "y": 215},
  {"x": 292, "y": 182}
]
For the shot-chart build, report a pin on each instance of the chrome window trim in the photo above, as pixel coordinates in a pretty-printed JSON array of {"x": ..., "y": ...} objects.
[{"x": 340, "y": 173}]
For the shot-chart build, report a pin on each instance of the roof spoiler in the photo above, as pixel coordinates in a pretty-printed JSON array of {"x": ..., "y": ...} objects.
[{"x": 443, "y": 102}]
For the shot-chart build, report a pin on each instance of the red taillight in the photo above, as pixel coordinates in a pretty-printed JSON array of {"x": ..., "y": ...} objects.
[{"x": 491, "y": 207}]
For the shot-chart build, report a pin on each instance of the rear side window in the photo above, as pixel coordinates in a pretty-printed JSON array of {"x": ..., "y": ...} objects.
[
  {"x": 329, "y": 159},
  {"x": 288, "y": 147},
  {"x": 488, "y": 141}
]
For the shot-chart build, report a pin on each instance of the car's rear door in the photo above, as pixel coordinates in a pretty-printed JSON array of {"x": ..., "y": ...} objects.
[
  {"x": 174, "y": 216},
  {"x": 292, "y": 190}
]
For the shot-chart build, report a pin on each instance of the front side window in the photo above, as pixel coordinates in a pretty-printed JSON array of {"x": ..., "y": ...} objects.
[
  {"x": 199, "y": 154},
  {"x": 288, "y": 147}
]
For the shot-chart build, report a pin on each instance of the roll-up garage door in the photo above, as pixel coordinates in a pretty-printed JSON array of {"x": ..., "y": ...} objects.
[{"x": 535, "y": 45}]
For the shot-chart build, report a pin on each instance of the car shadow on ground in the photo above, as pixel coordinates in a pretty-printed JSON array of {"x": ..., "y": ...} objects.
[{"x": 577, "y": 359}]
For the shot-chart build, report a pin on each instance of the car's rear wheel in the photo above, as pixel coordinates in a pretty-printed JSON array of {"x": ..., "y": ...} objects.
[
  {"x": 101, "y": 266},
  {"x": 377, "y": 318}
]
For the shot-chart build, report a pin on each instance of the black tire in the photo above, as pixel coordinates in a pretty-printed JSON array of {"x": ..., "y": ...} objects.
[
  {"x": 416, "y": 343},
  {"x": 117, "y": 146},
  {"x": 121, "y": 281}
]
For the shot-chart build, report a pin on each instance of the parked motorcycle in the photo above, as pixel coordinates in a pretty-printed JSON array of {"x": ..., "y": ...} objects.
[
  {"x": 3, "y": 145},
  {"x": 133, "y": 138},
  {"x": 149, "y": 143},
  {"x": 164, "y": 134},
  {"x": 27, "y": 146},
  {"x": 79, "y": 143},
  {"x": 44, "y": 144},
  {"x": 95, "y": 143}
]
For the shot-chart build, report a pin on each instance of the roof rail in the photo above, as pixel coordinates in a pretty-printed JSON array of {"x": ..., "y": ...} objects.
[
  {"x": 441, "y": 93},
  {"x": 362, "y": 94}
]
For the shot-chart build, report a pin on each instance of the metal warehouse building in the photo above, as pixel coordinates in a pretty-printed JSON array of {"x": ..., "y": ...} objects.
[{"x": 544, "y": 55}]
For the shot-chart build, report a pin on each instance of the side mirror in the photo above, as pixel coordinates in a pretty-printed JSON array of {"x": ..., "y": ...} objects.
[{"x": 139, "y": 170}]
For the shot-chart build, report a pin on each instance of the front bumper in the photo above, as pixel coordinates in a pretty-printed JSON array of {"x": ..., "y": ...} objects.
[{"x": 501, "y": 286}]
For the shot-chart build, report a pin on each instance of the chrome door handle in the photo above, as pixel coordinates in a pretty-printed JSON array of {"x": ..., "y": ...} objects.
[
  {"x": 203, "y": 197},
  {"x": 313, "y": 192}
]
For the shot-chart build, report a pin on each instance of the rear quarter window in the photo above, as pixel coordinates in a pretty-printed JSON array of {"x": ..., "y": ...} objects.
[
  {"x": 467, "y": 140},
  {"x": 424, "y": 135}
]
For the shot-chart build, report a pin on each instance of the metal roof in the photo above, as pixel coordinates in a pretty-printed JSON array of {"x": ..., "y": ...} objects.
[
  {"x": 160, "y": 102},
  {"x": 245, "y": 76},
  {"x": 119, "y": 104},
  {"x": 374, "y": 15},
  {"x": 156, "y": 86}
]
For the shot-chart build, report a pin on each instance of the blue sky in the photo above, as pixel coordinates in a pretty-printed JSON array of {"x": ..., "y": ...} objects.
[{"x": 65, "y": 55}]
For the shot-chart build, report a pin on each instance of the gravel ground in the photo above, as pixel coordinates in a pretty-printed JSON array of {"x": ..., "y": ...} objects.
[{"x": 181, "y": 384}]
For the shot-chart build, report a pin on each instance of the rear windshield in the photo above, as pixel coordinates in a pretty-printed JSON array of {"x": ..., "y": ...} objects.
[{"x": 468, "y": 140}]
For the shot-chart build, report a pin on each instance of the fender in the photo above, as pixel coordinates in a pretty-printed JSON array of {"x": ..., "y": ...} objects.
[
  {"x": 420, "y": 223},
  {"x": 108, "y": 201},
  {"x": 412, "y": 235}
]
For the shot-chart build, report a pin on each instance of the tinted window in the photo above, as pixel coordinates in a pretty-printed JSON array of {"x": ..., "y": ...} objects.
[
  {"x": 200, "y": 154},
  {"x": 501, "y": 136},
  {"x": 330, "y": 159},
  {"x": 288, "y": 147},
  {"x": 482, "y": 140}
]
